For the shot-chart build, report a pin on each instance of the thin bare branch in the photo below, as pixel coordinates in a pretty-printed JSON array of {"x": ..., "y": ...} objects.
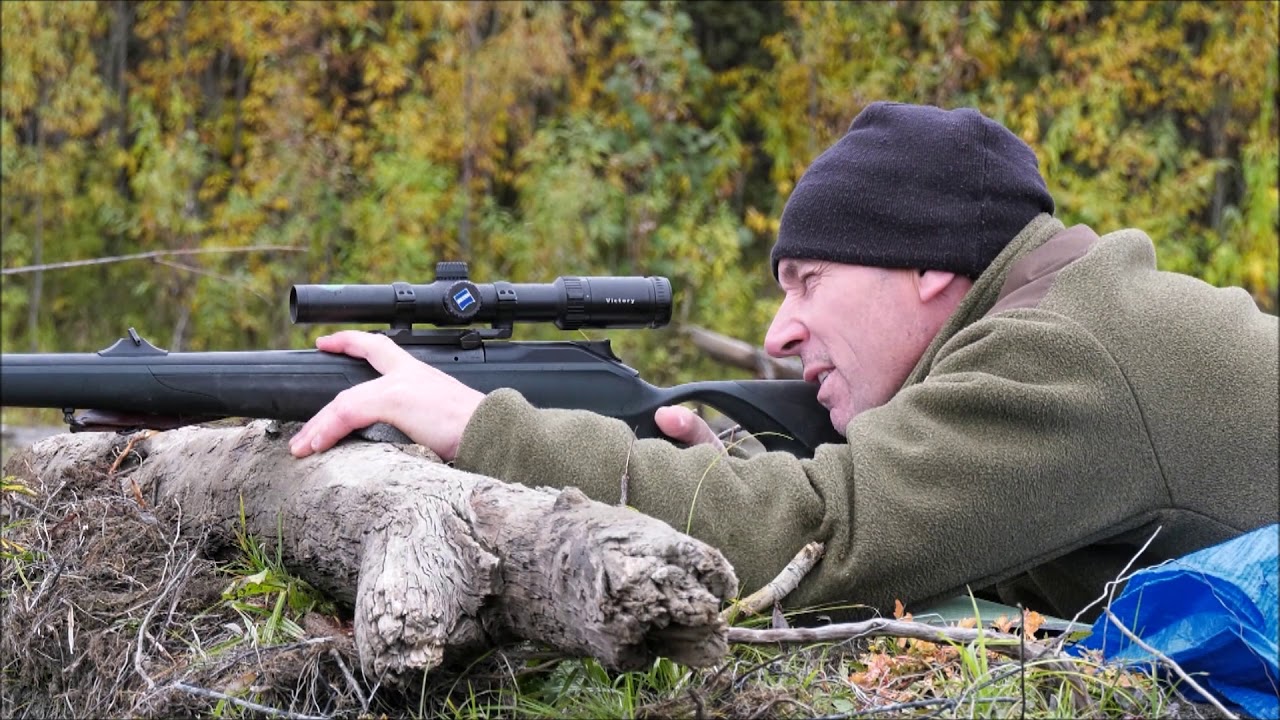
[
  {"x": 351, "y": 680},
  {"x": 178, "y": 581},
  {"x": 1109, "y": 590},
  {"x": 146, "y": 256},
  {"x": 276, "y": 712},
  {"x": 738, "y": 353},
  {"x": 216, "y": 276},
  {"x": 1169, "y": 663}
]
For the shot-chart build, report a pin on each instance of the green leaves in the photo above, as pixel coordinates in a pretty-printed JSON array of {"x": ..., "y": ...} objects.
[{"x": 539, "y": 139}]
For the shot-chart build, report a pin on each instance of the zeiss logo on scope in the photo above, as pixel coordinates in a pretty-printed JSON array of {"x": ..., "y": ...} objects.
[{"x": 463, "y": 299}]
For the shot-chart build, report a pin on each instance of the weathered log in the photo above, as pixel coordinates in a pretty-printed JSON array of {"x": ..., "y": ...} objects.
[
  {"x": 437, "y": 563},
  {"x": 741, "y": 354}
]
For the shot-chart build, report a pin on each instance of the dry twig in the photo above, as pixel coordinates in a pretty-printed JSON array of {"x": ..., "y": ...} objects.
[
  {"x": 1014, "y": 646},
  {"x": 1108, "y": 591},
  {"x": 178, "y": 581},
  {"x": 1169, "y": 663},
  {"x": 275, "y": 712},
  {"x": 128, "y": 448},
  {"x": 780, "y": 586},
  {"x": 351, "y": 680},
  {"x": 626, "y": 476}
]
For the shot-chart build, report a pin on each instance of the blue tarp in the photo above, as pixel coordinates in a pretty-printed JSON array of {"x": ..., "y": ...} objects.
[{"x": 1213, "y": 612}]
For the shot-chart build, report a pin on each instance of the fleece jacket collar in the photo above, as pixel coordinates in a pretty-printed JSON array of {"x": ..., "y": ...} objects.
[{"x": 987, "y": 289}]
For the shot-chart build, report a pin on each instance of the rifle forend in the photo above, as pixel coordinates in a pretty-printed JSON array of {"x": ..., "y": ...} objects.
[{"x": 133, "y": 384}]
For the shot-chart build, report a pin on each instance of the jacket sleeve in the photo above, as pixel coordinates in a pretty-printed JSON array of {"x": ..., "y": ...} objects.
[{"x": 1022, "y": 443}]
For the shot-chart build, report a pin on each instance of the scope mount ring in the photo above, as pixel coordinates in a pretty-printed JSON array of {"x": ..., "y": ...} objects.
[{"x": 465, "y": 338}]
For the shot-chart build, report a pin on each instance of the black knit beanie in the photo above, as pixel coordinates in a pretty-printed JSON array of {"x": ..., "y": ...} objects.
[{"x": 914, "y": 186}]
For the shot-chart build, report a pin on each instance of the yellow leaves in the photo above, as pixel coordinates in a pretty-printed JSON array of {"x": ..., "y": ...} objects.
[
  {"x": 49, "y": 66},
  {"x": 213, "y": 186},
  {"x": 760, "y": 223},
  {"x": 383, "y": 72},
  {"x": 348, "y": 125},
  {"x": 388, "y": 82},
  {"x": 896, "y": 676},
  {"x": 879, "y": 666},
  {"x": 899, "y": 669}
]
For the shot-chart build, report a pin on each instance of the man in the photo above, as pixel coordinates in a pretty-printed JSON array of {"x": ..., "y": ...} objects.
[{"x": 1024, "y": 403}]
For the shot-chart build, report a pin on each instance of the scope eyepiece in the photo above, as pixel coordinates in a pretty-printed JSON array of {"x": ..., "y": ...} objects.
[{"x": 453, "y": 299}]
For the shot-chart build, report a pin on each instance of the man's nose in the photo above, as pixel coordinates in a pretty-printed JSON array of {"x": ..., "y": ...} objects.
[{"x": 786, "y": 334}]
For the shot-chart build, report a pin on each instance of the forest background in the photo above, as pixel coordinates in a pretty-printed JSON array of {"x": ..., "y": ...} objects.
[{"x": 361, "y": 142}]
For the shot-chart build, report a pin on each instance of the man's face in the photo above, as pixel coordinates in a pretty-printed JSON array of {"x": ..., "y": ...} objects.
[{"x": 858, "y": 330}]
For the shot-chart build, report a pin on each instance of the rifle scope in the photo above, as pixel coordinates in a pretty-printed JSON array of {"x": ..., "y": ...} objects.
[{"x": 453, "y": 299}]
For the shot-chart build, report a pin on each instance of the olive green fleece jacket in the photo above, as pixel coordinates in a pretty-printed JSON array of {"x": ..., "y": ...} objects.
[{"x": 1077, "y": 399}]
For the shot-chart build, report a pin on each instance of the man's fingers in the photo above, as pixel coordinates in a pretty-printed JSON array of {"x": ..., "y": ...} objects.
[
  {"x": 339, "y": 418},
  {"x": 379, "y": 350},
  {"x": 682, "y": 424}
]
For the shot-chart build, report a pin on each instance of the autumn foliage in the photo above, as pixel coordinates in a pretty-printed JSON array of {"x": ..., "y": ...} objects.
[{"x": 540, "y": 139}]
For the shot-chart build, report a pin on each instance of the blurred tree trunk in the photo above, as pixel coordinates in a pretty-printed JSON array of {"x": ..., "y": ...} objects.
[
  {"x": 118, "y": 59},
  {"x": 37, "y": 241}
]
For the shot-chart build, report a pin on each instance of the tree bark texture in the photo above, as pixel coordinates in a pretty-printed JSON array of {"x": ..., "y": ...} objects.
[{"x": 437, "y": 563}]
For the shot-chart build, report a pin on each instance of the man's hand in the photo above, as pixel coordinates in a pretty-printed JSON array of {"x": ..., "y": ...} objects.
[
  {"x": 429, "y": 406},
  {"x": 683, "y": 425},
  {"x": 424, "y": 403}
]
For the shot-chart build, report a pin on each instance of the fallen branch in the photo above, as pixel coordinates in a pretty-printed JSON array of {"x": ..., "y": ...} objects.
[
  {"x": 741, "y": 354},
  {"x": 437, "y": 563},
  {"x": 1011, "y": 645}
]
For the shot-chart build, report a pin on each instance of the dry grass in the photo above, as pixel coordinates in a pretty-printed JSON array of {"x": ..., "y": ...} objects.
[{"x": 110, "y": 611}]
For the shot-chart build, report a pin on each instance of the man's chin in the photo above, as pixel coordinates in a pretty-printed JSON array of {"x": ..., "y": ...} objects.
[{"x": 840, "y": 419}]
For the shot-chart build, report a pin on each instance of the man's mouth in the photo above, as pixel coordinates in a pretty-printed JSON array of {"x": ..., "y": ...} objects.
[
  {"x": 817, "y": 377},
  {"x": 820, "y": 379}
]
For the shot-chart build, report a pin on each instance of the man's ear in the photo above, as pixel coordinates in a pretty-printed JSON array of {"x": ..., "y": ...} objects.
[{"x": 931, "y": 283}]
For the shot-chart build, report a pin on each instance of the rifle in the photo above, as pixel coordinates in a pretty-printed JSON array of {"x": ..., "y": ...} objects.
[{"x": 134, "y": 385}]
